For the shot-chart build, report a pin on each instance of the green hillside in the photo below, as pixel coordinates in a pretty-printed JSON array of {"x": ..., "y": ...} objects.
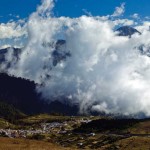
[{"x": 9, "y": 112}]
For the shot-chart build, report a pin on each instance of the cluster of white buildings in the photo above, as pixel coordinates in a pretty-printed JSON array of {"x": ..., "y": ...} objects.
[{"x": 45, "y": 128}]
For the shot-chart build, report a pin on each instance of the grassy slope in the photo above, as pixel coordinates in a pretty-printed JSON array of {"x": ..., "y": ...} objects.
[
  {"x": 142, "y": 127},
  {"x": 9, "y": 115},
  {"x": 9, "y": 112},
  {"x": 134, "y": 143},
  {"x": 43, "y": 118},
  {"x": 23, "y": 144},
  {"x": 5, "y": 124}
]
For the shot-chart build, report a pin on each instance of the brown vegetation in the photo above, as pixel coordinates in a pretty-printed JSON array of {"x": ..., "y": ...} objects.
[{"x": 25, "y": 144}]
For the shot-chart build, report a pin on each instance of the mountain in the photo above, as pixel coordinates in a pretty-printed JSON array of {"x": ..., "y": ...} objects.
[
  {"x": 145, "y": 50},
  {"x": 59, "y": 53},
  {"x": 127, "y": 31},
  {"x": 14, "y": 51},
  {"x": 21, "y": 94}
]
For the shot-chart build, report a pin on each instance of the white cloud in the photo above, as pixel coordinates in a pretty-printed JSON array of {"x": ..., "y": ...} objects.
[
  {"x": 104, "y": 73},
  {"x": 135, "y": 16},
  {"x": 17, "y": 16},
  {"x": 119, "y": 10},
  {"x": 5, "y": 46},
  {"x": 45, "y": 8},
  {"x": 11, "y": 30},
  {"x": 124, "y": 22},
  {"x": 147, "y": 17},
  {"x": 87, "y": 12}
]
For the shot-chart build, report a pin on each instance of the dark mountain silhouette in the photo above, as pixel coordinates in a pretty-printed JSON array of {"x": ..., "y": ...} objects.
[
  {"x": 21, "y": 94},
  {"x": 127, "y": 31}
]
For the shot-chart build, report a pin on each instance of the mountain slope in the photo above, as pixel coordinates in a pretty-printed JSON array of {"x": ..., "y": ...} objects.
[
  {"x": 9, "y": 112},
  {"x": 21, "y": 93},
  {"x": 127, "y": 31}
]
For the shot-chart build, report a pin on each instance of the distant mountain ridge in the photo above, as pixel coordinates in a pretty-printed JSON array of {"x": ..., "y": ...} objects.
[
  {"x": 59, "y": 47},
  {"x": 127, "y": 31},
  {"x": 59, "y": 52}
]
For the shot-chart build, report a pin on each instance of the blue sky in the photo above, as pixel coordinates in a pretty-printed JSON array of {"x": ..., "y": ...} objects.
[
  {"x": 101, "y": 7},
  {"x": 72, "y": 8}
]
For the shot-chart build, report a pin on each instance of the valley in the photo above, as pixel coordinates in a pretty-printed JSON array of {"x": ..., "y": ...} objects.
[{"x": 45, "y": 131}]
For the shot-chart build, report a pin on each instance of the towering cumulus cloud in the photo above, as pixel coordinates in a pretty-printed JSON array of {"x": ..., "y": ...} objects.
[{"x": 85, "y": 61}]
